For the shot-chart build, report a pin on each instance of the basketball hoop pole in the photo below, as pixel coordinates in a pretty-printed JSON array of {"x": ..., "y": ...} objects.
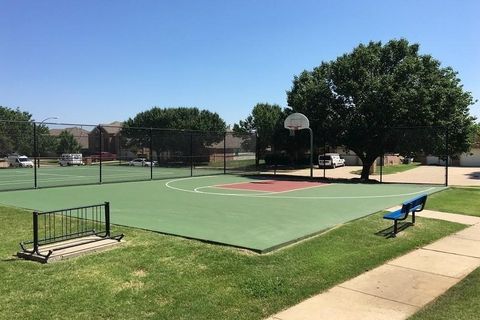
[
  {"x": 298, "y": 121},
  {"x": 311, "y": 148},
  {"x": 311, "y": 152}
]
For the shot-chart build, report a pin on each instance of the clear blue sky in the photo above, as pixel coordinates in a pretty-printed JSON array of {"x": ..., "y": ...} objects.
[{"x": 93, "y": 61}]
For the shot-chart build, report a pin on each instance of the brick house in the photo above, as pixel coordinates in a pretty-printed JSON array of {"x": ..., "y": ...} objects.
[{"x": 110, "y": 135}]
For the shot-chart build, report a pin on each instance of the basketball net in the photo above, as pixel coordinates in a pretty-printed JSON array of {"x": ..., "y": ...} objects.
[{"x": 292, "y": 130}]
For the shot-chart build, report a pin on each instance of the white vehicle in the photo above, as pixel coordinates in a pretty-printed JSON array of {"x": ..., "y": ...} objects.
[
  {"x": 331, "y": 160},
  {"x": 19, "y": 161},
  {"x": 71, "y": 159},
  {"x": 141, "y": 162}
]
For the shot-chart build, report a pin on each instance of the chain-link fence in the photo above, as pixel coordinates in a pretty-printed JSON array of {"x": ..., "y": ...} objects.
[
  {"x": 398, "y": 155},
  {"x": 35, "y": 155}
]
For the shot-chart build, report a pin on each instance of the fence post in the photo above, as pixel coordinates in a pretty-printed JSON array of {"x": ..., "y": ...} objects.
[
  {"x": 311, "y": 152},
  {"x": 35, "y": 153},
  {"x": 100, "y": 152},
  {"x": 324, "y": 152},
  {"x": 107, "y": 219},
  {"x": 191, "y": 154},
  {"x": 35, "y": 232},
  {"x": 151, "y": 154},
  {"x": 446, "y": 157},
  {"x": 382, "y": 162},
  {"x": 225, "y": 152},
  {"x": 257, "y": 153}
]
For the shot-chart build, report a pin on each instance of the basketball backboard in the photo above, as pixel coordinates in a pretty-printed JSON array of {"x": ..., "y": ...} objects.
[{"x": 296, "y": 121}]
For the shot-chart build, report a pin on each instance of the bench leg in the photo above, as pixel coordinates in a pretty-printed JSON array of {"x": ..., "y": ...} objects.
[
  {"x": 413, "y": 217},
  {"x": 395, "y": 229}
]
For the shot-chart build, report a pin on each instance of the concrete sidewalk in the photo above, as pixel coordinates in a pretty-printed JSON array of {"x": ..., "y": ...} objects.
[{"x": 402, "y": 286}]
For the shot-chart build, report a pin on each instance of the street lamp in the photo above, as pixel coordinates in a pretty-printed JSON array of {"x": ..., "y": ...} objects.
[
  {"x": 49, "y": 118},
  {"x": 36, "y": 139}
]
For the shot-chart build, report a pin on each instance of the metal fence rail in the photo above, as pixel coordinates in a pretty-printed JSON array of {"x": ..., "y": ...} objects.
[
  {"x": 60, "y": 225},
  {"x": 399, "y": 149},
  {"x": 107, "y": 152}
]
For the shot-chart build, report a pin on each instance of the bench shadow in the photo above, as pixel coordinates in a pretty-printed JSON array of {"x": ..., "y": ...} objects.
[{"x": 388, "y": 232}]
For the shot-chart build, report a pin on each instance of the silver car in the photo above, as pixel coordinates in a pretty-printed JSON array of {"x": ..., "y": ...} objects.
[{"x": 141, "y": 162}]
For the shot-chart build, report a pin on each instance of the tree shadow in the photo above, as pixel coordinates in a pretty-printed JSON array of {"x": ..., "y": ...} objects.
[{"x": 473, "y": 175}]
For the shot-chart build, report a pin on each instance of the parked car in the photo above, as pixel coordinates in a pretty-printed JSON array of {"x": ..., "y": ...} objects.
[
  {"x": 19, "y": 161},
  {"x": 106, "y": 156},
  {"x": 331, "y": 160},
  {"x": 142, "y": 162},
  {"x": 70, "y": 159}
]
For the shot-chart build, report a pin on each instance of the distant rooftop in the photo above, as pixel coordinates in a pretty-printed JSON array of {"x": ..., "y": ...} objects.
[{"x": 113, "y": 128}]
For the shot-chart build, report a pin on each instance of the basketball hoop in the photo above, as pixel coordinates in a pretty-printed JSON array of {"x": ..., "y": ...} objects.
[{"x": 298, "y": 121}]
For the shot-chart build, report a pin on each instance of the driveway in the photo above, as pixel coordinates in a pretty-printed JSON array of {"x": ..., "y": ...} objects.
[{"x": 458, "y": 176}]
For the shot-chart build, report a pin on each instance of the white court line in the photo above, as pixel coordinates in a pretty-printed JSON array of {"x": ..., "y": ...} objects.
[
  {"x": 59, "y": 175},
  {"x": 70, "y": 178},
  {"x": 220, "y": 187},
  {"x": 273, "y": 194}
]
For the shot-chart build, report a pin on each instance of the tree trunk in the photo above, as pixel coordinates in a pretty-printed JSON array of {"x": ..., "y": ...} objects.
[
  {"x": 259, "y": 155},
  {"x": 373, "y": 167},
  {"x": 367, "y": 164}
]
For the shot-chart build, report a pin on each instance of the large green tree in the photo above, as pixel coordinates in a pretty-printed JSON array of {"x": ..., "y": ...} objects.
[
  {"x": 66, "y": 143},
  {"x": 16, "y": 131},
  {"x": 265, "y": 119},
  {"x": 185, "y": 128},
  {"x": 357, "y": 99}
]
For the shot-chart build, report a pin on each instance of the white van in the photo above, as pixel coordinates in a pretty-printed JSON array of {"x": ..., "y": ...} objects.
[
  {"x": 71, "y": 159},
  {"x": 331, "y": 160},
  {"x": 19, "y": 161}
]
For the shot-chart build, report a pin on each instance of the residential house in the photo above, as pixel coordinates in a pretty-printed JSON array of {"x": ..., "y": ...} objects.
[
  {"x": 80, "y": 135},
  {"x": 109, "y": 135}
]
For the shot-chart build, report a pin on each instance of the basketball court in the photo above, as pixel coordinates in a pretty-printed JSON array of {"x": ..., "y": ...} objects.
[{"x": 259, "y": 213}]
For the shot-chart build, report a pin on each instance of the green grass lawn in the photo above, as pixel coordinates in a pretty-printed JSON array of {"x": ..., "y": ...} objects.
[
  {"x": 248, "y": 164},
  {"x": 461, "y": 301},
  {"x": 154, "y": 276},
  {"x": 456, "y": 200},
  {"x": 393, "y": 168}
]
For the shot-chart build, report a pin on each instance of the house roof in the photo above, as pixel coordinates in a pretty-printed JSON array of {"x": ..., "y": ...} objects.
[
  {"x": 76, "y": 131},
  {"x": 231, "y": 142},
  {"x": 112, "y": 128},
  {"x": 81, "y": 135}
]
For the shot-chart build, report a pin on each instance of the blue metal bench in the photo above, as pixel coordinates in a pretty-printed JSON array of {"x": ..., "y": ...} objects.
[{"x": 411, "y": 206}]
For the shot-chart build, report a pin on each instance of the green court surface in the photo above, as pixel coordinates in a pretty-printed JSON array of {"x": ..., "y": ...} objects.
[
  {"x": 54, "y": 175},
  {"x": 199, "y": 208}
]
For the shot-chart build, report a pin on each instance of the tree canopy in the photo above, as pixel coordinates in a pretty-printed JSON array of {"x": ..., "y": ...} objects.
[
  {"x": 16, "y": 131},
  {"x": 361, "y": 99},
  {"x": 67, "y": 143},
  {"x": 193, "y": 127},
  {"x": 266, "y": 119},
  {"x": 16, "y": 134}
]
